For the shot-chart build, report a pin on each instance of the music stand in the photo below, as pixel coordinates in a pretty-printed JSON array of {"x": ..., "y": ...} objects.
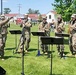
[
  {"x": 62, "y": 34},
  {"x": 51, "y": 40},
  {"x": 38, "y": 34},
  {"x": 15, "y": 32}
]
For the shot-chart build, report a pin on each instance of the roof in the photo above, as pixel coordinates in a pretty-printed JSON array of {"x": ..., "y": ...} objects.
[
  {"x": 54, "y": 12},
  {"x": 33, "y": 16},
  {"x": 43, "y": 15},
  {"x": 11, "y": 15}
]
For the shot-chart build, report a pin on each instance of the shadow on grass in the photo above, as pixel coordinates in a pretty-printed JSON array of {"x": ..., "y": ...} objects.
[
  {"x": 69, "y": 56},
  {"x": 66, "y": 53},
  {"x": 32, "y": 50},
  {"x": 51, "y": 51},
  {"x": 7, "y": 57},
  {"x": 10, "y": 48},
  {"x": 56, "y": 74}
]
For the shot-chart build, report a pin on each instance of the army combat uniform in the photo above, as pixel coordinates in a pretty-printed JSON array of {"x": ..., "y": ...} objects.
[
  {"x": 59, "y": 29},
  {"x": 1, "y": 38},
  {"x": 4, "y": 30},
  {"x": 26, "y": 34},
  {"x": 72, "y": 40},
  {"x": 44, "y": 27}
]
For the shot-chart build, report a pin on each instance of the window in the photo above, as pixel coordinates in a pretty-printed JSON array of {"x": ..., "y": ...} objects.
[{"x": 49, "y": 16}]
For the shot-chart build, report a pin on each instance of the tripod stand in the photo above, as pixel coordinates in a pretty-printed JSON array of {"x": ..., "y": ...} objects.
[{"x": 52, "y": 40}]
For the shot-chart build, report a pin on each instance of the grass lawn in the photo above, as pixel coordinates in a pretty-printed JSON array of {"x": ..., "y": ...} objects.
[{"x": 36, "y": 65}]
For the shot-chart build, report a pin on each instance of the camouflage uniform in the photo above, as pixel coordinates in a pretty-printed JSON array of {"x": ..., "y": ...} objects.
[
  {"x": 44, "y": 27},
  {"x": 4, "y": 31},
  {"x": 59, "y": 29},
  {"x": 72, "y": 40},
  {"x": 1, "y": 38},
  {"x": 26, "y": 33}
]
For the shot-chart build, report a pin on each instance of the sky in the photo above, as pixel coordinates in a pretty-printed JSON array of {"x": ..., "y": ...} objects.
[{"x": 44, "y": 6}]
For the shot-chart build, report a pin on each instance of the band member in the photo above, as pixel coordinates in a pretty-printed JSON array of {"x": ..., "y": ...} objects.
[
  {"x": 26, "y": 32},
  {"x": 44, "y": 27},
  {"x": 60, "y": 29},
  {"x": 2, "y": 23},
  {"x": 4, "y": 30},
  {"x": 72, "y": 41}
]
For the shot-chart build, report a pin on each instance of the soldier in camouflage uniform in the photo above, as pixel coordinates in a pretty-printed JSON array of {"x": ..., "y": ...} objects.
[
  {"x": 59, "y": 29},
  {"x": 44, "y": 27},
  {"x": 26, "y": 25},
  {"x": 1, "y": 38},
  {"x": 72, "y": 41},
  {"x": 4, "y": 30}
]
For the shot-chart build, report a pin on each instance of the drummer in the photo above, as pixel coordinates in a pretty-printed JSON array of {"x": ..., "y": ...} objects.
[{"x": 60, "y": 29}]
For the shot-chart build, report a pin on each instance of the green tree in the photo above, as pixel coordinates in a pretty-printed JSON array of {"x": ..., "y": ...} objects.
[
  {"x": 31, "y": 11},
  {"x": 7, "y": 10},
  {"x": 65, "y": 7}
]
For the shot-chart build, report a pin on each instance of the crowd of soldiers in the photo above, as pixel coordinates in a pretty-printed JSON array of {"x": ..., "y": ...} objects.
[{"x": 44, "y": 26}]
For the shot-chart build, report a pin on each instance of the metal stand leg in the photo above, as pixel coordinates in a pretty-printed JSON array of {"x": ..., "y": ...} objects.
[
  {"x": 49, "y": 52},
  {"x": 23, "y": 60},
  {"x": 49, "y": 48},
  {"x": 51, "y": 60},
  {"x": 15, "y": 43},
  {"x": 38, "y": 54},
  {"x": 22, "y": 63}
]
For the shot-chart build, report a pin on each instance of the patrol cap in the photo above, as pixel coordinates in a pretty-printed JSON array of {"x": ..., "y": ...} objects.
[
  {"x": 44, "y": 17},
  {"x": 2, "y": 15},
  {"x": 59, "y": 16},
  {"x": 73, "y": 15},
  {"x": 25, "y": 15}
]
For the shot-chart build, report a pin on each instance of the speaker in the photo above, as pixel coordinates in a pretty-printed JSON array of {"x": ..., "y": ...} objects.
[{"x": 2, "y": 71}]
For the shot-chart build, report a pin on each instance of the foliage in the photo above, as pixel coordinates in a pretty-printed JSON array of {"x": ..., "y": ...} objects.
[
  {"x": 31, "y": 11},
  {"x": 7, "y": 10},
  {"x": 65, "y": 7}
]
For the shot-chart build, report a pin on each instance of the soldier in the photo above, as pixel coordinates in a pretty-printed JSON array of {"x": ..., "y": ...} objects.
[
  {"x": 26, "y": 32},
  {"x": 1, "y": 38},
  {"x": 72, "y": 40},
  {"x": 60, "y": 29},
  {"x": 4, "y": 30},
  {"x": 52, "y": 24},
  {"x": 44, "y": 27}
]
